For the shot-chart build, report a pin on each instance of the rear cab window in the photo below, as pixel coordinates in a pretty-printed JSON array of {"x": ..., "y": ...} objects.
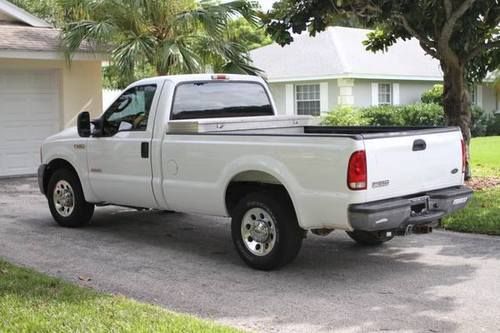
[{"x": 220, "y": 99}]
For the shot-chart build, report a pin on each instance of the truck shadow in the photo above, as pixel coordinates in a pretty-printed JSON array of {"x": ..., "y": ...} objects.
[
  {"x": 334, "y": 284},
  {"x": 442, "y": 282}
]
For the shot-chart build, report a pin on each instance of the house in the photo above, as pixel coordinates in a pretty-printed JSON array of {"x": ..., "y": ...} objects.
[
  {"x": 312, "y": 75},
  {"x": 40, "y": 93}
]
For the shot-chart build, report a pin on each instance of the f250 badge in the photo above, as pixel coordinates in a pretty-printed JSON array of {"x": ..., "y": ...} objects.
[{"x": 381, "y": 183}]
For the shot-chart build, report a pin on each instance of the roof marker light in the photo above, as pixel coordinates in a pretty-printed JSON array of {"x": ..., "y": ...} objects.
[{"x": 220, "y": 77}]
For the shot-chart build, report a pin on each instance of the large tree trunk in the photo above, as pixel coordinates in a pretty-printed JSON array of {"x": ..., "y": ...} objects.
[{"x": 456, "y": 102}]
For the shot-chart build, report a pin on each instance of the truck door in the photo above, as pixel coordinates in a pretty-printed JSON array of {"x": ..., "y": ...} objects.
[{"x": 119, "y": 161}]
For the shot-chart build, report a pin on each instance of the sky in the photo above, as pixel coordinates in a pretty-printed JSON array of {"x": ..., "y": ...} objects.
[{"x": 266, "y": 4}]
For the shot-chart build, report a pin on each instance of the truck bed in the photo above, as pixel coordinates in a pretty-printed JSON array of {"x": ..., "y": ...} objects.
[{"x": 401, "y": 160}]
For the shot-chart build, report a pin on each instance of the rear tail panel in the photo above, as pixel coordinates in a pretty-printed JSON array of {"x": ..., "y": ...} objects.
[{"x": 411, "y": 164}]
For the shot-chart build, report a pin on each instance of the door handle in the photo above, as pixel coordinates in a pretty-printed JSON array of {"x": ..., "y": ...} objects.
[
  {"x": 419, "y": 144},
  {"x": 145, "y": 149}
]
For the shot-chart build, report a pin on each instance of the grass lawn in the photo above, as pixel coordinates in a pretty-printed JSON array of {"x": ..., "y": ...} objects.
[
  {"x": 33, "y": 302},
  {"x": 485, "y": 156},
  {"x": 482, "y": 215}
]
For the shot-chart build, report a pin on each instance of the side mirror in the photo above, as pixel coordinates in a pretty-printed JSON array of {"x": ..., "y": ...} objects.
[
  {"x": 83, "y": 124},
  {"x": 98, "y": 127}
]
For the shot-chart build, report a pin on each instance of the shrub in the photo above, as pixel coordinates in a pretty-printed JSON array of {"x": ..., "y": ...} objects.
[
  {"x": 494, "y": 127},
  {"x": 419, "y": 114},
  {"x": 383, "y": 115},
  {"x": 482, "y": 121},
  {"x": 433, "y": 95},
  {"x": 422, "y": 114},
  {"x": 345, "y": 116},
  {"x": 387, "y": 115}
]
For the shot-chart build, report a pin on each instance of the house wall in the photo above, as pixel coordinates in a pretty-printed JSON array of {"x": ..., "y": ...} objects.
[
  {"x": 489, "y": 98},
  {"x": 409, "y": 92},
  {"x": 79, "y": 84},
  {"x": 278, "y": 90}
]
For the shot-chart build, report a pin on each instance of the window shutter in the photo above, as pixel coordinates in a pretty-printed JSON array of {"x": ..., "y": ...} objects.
[
  {"x": 479, "y": 96},
  {"x": 323, "y": 97},
  {"x": 374, "y": 93},
  {"x": 289, "y": 100},
  {"x": 395, "y": 93}
]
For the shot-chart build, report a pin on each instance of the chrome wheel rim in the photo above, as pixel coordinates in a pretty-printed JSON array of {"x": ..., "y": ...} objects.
[
  {"x": 258, "y": 231},
  {"x": 64, "y": 198}
]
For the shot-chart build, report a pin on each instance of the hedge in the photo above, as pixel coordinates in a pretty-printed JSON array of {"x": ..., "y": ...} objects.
[{"x": 419, "y": 114}]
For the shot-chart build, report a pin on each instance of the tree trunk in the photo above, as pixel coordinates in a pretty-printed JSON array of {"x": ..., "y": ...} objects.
[
  {"x": 456, "y": 102},
  {"x": 161, "y": 71}
]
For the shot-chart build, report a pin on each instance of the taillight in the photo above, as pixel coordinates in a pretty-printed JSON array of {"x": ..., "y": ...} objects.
[
  {"x": 356, "y": 171},
  {"x": 464, "y": 156}
]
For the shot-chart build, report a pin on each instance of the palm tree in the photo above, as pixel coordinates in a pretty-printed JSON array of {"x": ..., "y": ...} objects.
[{"x": 169, "y": 36}]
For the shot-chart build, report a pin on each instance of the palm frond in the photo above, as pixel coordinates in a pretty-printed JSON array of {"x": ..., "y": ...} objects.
[{"x": 132, "y": 51}]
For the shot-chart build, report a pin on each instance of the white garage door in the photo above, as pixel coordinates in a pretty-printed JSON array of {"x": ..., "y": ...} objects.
[{"x": 29, "y": 112}]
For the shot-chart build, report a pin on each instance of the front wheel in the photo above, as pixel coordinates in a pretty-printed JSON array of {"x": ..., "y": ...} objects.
[
  {"x": 66, "y": 200},
  {"x": 265, "y": 230},
  {"x": 368, "y": 238}
]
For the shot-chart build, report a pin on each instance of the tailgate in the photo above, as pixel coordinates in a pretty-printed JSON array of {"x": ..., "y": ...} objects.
[{"x": 407, "y": 164}]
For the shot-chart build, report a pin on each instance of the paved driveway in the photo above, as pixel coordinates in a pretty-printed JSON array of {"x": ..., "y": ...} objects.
[{"x": 443, "y": 282}]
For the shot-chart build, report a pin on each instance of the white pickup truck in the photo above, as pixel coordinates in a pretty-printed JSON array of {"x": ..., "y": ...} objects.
[{"x": 212, "y": 144}]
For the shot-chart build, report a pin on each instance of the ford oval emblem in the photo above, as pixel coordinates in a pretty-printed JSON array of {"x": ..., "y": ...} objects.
[{"x": 454, "y": 171}]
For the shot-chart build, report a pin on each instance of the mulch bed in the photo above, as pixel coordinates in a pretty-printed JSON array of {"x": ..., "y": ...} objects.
[{"x": 483, "y": 183}]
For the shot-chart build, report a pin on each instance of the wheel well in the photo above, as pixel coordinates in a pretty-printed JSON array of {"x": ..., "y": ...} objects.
[
  {"x": 54, "y": 165},
  {"x": 252, "y": 181}
]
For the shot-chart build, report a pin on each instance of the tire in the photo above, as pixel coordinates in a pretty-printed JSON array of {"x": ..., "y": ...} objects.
[
  {"x": 66, "y": 200},
  {"x": 271, "y": 220},
  {"x": 368, "y": 238}
]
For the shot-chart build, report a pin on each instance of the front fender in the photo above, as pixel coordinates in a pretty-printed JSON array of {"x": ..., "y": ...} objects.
[{"x": 74, "y": 153}]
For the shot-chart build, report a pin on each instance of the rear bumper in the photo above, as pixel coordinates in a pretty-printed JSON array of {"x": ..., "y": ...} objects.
[
  {"x": 41, "y": 174},
  {"x": 399, "y": 213}
]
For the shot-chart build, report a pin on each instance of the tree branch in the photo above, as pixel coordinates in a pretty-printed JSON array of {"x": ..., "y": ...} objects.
[
  {"x": 450, "y": 23},
  {"x": 425, "y": 42},
  {"x": 481, "y": 48},
  {"x": 448, "y": 7}
]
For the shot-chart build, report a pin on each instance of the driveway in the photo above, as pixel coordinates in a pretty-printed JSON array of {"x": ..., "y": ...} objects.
[{"x": 442, "y": 282}]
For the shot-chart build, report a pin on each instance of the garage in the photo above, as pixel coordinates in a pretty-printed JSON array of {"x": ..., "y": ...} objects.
[
  {"x": 29, "y": 112},
  {"x": 41, "y": 93}
]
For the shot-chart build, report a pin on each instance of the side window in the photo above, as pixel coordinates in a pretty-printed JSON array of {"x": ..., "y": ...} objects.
[{"x": 130, "y": 112}]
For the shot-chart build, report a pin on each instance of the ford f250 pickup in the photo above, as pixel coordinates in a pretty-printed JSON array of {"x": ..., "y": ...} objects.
[{"x": 212, "y": 144}]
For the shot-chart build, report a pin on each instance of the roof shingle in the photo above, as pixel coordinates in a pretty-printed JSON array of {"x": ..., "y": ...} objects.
[
  {"x": 25, "y": 38},
  {"x": 338, "y": 51}
]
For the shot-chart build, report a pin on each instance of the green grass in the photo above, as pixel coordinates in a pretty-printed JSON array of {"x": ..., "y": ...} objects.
[
  {"x": 482, "y": 215},
  {"x": 33, "y": 302},
  {"x": 485, "y": 156}
]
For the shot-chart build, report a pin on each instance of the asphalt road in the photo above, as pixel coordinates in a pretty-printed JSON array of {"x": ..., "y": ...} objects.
[{"x": 442, "y": 282}]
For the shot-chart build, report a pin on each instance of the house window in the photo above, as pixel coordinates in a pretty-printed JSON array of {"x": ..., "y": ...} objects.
[
  {"x": 384, "y": 94},
  {"x": 307, "y": 97}
]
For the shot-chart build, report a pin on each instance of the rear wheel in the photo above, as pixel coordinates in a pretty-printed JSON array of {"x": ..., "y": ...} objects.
[
  {"x": 66, "y": 200},
  {"x": 368, "y": 238},
  {"x": 265, "y": 230}
]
